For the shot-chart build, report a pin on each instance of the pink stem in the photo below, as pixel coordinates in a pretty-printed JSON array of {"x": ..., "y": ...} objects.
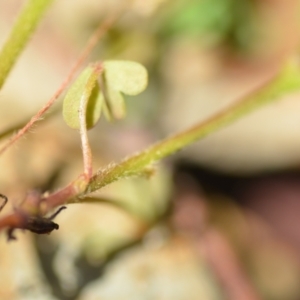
[{"x": 101, "y": 30}]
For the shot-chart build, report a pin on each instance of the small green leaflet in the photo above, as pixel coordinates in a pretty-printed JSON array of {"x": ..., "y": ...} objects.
[
  {"x": 126, "y": 77},
  {"x": 118, "y": 77},
  {"x": 84, "y": 86}
]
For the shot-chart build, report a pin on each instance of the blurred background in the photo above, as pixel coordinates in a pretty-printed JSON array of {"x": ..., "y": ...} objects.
[{"x": 218, "y": 220}]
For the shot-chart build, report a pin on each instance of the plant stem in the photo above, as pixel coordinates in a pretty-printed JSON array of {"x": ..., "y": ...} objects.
[
  {"x": 86, "y": 149},
  {"x": 288, "y": 80},
  {"x": 82, "y": 113},
  {"x": 20, "y": 34}
]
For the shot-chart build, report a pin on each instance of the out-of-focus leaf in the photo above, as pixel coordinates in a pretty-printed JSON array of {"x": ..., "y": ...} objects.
[
  {"x": 199, "y": 17},
  {"x": 215, "y": 21}
]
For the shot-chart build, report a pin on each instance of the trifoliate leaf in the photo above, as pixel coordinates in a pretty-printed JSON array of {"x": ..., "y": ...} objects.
[{"x": 118, "y": 77}]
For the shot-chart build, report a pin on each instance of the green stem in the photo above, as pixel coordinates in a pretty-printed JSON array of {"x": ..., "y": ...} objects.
[
  {"x": 20, "y": 34},
  {"x": 286, "y": 81}
]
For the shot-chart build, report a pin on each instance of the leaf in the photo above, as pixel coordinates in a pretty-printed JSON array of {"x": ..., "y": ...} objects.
[
  {"x": 84, "y": 86},
  {"x": 94, "y": 107},
  {"x": 128, "y": 77},
  {"x": 117, "y": 104}
]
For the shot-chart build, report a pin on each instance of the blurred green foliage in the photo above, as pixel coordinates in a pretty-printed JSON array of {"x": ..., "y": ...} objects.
[{"x": 216, "y": 21}]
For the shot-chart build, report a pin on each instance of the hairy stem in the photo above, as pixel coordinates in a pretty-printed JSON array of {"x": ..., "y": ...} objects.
[
  {"x": 86, "y": 149},
  {"x": 286, "y": 81}
]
